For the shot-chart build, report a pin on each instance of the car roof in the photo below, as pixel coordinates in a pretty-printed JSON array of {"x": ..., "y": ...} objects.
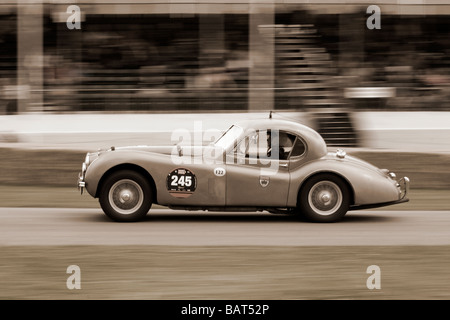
[
  {"x": 279, "y": 124},
  {"x": 313, "y": 139}
]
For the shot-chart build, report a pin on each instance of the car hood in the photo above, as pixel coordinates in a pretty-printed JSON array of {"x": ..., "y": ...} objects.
[
  {"x": 194, "y": 151},
  {"x": 145, "y": 148}
]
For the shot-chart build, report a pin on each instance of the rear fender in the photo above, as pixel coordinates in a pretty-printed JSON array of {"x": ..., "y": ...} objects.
[{"x": 368, "y": 186}]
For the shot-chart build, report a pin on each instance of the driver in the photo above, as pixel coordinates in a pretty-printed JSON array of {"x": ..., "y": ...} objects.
[{"x": 285, "y": 143}]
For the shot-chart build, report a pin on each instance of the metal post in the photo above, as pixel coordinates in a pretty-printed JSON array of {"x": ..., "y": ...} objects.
[
  {"x": 30, "y": 55},
  {"x": 261, "y": 55}
]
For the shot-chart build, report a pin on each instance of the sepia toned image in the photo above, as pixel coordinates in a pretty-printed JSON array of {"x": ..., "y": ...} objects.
[{"x": 224, "y": 151}]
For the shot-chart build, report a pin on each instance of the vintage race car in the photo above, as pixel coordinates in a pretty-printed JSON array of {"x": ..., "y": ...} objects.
[{"x": 270, "y": 165}]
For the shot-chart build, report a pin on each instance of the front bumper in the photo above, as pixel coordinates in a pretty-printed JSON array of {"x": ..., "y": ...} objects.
[{"x": 81, "y": 183}]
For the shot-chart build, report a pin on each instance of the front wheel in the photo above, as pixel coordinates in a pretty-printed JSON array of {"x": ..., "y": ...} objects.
[
  {"x": 126, "y": 196},
  {"x": 324, "y": 198}
]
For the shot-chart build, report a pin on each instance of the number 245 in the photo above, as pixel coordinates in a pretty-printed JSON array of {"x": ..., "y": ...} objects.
[{"x": 184, "y": 181}]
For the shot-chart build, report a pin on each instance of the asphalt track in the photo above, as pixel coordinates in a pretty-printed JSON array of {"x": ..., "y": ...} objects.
[{"x": 43, "y": 226}]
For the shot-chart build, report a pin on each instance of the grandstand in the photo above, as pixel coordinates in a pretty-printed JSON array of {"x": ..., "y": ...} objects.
[{"x": 214, "y": 56}]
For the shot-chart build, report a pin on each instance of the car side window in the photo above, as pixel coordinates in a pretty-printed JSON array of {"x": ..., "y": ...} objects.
[
  {"x": 261, "y": 143},
  {"x": 299, "y": 148},
  {"x": 254, "y": 145},
  {"x": 286, "y": 144}
]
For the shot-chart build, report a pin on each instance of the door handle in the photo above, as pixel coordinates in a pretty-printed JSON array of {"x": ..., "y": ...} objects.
[{"x": 284, "y": 165}]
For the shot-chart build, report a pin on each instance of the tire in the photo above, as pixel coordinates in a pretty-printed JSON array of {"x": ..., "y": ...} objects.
[
  {"x": 324, "y": 198},
  {"x": 126, "y": 196}
]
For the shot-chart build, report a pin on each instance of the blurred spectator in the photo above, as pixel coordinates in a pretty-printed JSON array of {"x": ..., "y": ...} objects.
[{"x": 156, "y": 62}]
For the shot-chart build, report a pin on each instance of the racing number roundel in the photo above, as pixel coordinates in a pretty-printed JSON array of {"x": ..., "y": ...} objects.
[{"x": 181, "y": 183}]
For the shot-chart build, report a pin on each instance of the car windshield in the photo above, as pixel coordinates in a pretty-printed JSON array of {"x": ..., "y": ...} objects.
[{"x": 229, "y": 137}]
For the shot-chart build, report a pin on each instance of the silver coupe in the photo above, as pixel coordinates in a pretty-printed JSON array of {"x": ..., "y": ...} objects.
[{"x": 272, "y": 165}]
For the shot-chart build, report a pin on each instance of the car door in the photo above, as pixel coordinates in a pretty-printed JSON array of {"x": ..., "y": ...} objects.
[
  {"x": 257, "y": 172},
  {"x": 189, "y": 181}
]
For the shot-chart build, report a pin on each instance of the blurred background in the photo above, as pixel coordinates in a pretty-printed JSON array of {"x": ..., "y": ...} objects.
[
  {"x": 315, "y": 58},
  {"x": 120, "y": 73},
  {"x": 132, "y": 72}
]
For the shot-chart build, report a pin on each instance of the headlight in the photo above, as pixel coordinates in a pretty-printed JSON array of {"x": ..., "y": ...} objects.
[
  {"x": 392, "y": 175},
  {"x": 83, "y": 170},
  {"x": 85, "y": 164}
]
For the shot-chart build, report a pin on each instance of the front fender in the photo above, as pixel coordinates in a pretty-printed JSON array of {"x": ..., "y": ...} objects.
[
  {"x": 368, "y": 186},
  {"x": 111, "y": 159}
]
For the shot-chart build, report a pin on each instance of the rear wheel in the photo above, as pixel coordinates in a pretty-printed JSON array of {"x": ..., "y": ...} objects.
[
  {"x": 324, "y": 198},
  {"x": 126, "y": 196}
]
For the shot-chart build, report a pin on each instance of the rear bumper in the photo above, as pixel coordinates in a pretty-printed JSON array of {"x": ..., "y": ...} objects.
[
  {"x": 404, "y": 187},
  {"x": 378, "y": 205}
]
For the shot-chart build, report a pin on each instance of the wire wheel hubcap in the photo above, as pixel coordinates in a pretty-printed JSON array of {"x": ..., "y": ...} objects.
[
  {"x": 325, "y": 198},
  {"x": 126, "y": 196}
]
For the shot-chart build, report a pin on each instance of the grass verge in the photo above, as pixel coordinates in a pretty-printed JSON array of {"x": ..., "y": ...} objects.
[
  {"x": 28, "y": 167},
  {"x": 159, "y": 272}
]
